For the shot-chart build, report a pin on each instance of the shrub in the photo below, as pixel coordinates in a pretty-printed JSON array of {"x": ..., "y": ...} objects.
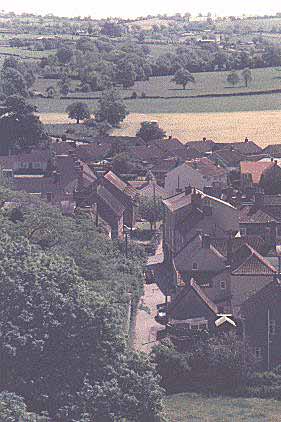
[{"x": 134, "y": 95}]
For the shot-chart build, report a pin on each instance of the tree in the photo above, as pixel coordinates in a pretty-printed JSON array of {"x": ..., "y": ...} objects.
[
  {"x": 183, "y": 77},
  {"x": 64, "y": 89},
  {"x": 120, "y": 163},
  {"x": 233, "y": 78},
  {"x": 13, "y": 82},
  {"x": 151, "y": 210},
  {"x": 13, "y": 409},
  {"x": 111, "y": 108},
  {"x": 19, "y": 127},
  {"x": 78, "y": 111},
  {"x": 126, "y": 74},
  {"x": 51, "y": 91},
  {"x": 150, "y": 131},
  {"x": 270, "y": 180},
  {"x": 247, "y": 76},
  {"x": 64, "y": 55}
]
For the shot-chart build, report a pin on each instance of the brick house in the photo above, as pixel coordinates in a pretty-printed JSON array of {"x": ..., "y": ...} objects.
[
  {"x": 199, "y": 173},
  {"x": 251, "y": 174},
  {"x": 261, "y": 316},
  {"x": 115, "y": 200},
  {"x": 262, "y": 217}
]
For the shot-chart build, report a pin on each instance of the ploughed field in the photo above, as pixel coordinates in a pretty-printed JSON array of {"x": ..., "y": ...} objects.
[
  {"x": 193, "y": 407},
  {"x": 262, "y": 127}
]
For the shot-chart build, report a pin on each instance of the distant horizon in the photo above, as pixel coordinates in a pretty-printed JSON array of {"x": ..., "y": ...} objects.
[{"x": 127, "y": 10}]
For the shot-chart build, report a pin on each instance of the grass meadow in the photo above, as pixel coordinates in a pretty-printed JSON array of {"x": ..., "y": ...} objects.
[{"x": 193, "y": 407}]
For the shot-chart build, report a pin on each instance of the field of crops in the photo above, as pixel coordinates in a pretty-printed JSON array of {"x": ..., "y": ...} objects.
[
  {"x": 193, "y": 407},
  {"x": 25, "y": 53}
]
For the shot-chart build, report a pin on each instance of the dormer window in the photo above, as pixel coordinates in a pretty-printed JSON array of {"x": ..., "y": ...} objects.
[{"x": 194, "y": 266}]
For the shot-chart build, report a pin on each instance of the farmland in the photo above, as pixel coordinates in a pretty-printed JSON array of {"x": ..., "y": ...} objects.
[
  {"x": 176, "y": 100},
  {"x": 262, "y": 127},
  {"x": 192, "y": 407}
]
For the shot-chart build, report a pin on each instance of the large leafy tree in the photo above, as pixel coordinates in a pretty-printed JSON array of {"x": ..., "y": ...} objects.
[
  {"x": 150, "y": 131},
  {"x": 61, "y": 345},
  {"x": 183, "y": 77},
  {"x": 19, "y": 126},
  {"x": 151, "y": 209},
  {"x": 111, "y": 108},
  {"x": 78, "y": 111}
]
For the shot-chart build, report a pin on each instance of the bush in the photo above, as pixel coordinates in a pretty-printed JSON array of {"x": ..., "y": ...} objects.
[
  {"x": 143, "y": 95},
  {"x": 134, "y": 95}
]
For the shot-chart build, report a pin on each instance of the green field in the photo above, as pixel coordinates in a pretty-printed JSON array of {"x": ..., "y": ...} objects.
[
  {"x": 206, "y": 83},
  {"x": 193, "y": 407},
  {"x": 25, "y": 53}
]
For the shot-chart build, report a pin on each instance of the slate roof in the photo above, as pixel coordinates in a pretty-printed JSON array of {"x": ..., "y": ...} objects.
[
  {"x": 38, "y": 155},
  {"x": 65, "y": 165},
  {"x": 273, "y": 150},
  {"x": 206, "y": 167},
  {"x": 111, "y": 201},
  {"x": 201, "y": 146},
  {"x": 245, "y": 148},
  {"x": 183, "y": 293},
  {"x": 165, "y": 165},
  {"x": 230, "y": 158},
  {"x": 247, "y": 261},
  {"x": 269, "y": 294},
  {"x": 256, "y": 169},
  {"x": 92, "y": 152}
]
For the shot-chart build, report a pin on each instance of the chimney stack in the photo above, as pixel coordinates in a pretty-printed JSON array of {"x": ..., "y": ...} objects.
[
  {"x": 187, "y": 190},
  {"x": 246, "y": 139},
  {"x": 195, "y": 199},
  {"x": 206, "y": 241}
]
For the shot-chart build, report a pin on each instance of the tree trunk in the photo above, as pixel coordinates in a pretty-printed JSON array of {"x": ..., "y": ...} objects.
[
  {"x": 78, "y": 121},
  {"x": 184, "y": 85}
]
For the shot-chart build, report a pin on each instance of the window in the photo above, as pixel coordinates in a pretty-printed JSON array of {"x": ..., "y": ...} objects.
[
  {"x": 195, "y": 266},
  {"x": 223, "y": 284},
  {"x": 258, "y": 353},
  {"x": 198, "y": 326},
  {"x": 243, "y": 231},
  {"x": 272, "y": 327},
  {"x": 36, "y": 165},
  {"x": 23, "y": 165}
]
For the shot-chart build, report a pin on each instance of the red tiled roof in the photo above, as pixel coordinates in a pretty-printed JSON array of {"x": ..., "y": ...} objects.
[
  {"x": 252, "y": 215},
  {"x": 248, "y": 261},
  {"x": 120, "y": 185},
  {"x": 256, "y": 169},
  {"x": 221, "y": 244},
  {"x": 153, "y": 188}
]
